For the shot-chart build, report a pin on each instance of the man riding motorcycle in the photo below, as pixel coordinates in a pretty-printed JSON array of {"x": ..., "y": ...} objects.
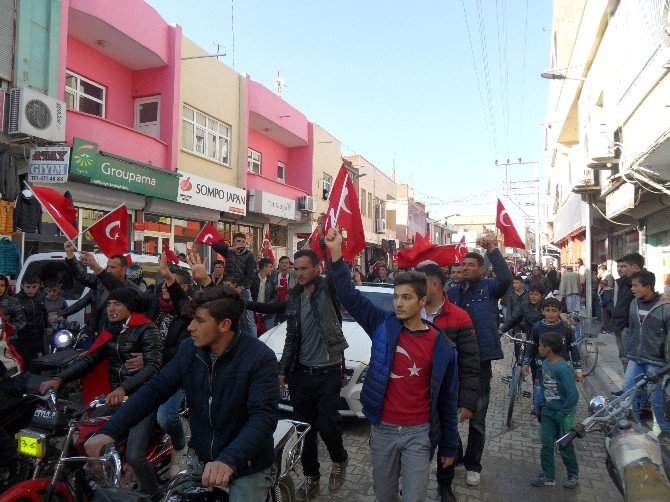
[
  {"x": 126, "y": 332},
  {"x": 230, "y": 383}
]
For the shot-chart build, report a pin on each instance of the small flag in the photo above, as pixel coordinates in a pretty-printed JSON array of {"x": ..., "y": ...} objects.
[
  {"x": 60, "y": 208},
  {"x": 111, "y": 232},
  {"x": 506, "y": 227},
  {"x": 208, "y": 235}
]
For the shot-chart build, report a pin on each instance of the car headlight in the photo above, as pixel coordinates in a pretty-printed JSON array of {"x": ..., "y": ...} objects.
[
  {"x": 362, "y": 376},
  {"x": 63, "y": 339}
]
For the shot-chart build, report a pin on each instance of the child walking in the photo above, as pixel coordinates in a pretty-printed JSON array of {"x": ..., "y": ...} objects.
[{"x": 560, "y": 397}]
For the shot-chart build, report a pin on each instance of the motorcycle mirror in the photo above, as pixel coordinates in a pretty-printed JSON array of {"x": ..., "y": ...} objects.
[
  {"x": 596, "y": 404},
  {"x": 63, "y": 339}
]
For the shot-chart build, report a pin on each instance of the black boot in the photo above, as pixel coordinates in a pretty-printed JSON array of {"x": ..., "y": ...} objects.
[{"x": 446, "y": 493}]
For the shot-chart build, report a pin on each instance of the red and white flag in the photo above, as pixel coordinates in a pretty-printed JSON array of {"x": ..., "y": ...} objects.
[
  {"x": 506, "y": 227},
  {"x": 266, "y": 248},
  {"x": 111, "y": 232},
  {"x": 60, "y": 208},
  {"x": 208, "y": 235},
  {"x": 344, "y": 211},
  {"x": 424, "y": 252},
  {"x": 169, "y": 254}
]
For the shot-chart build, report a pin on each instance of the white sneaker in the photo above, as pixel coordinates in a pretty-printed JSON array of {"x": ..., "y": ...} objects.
[
  {"x": 472, "y": 478},
  {"x": 178, "y": 461}
]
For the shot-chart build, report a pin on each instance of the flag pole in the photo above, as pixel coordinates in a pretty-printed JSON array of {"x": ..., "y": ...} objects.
[{"x": 57, "y": 224}]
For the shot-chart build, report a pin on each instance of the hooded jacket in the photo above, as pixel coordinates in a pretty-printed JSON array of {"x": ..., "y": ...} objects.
[
  {"x": 624, "y": 298},
  {"x": 11, "y": 308},
  {"x": 35, "y": 314},
  {"x": 527, "y": 314},
  {"x": 648, "y": 341},
  {"x": 27, "y": 214}
]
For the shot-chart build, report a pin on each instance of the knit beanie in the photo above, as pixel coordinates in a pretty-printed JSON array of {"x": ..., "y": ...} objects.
[{"x": 126, "y": 296}]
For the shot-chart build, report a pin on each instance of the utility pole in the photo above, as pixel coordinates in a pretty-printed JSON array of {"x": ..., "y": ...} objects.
[{"x": 535, "y": 163}]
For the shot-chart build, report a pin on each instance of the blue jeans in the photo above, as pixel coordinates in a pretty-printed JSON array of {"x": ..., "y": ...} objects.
[
  {"x": 168, "y": 419},
  {"x": 248, "y": 323},
  {"x": 635, "y": 369},
  {"x": 252, "y": 487},
  {"x": 269, "y": 322}
]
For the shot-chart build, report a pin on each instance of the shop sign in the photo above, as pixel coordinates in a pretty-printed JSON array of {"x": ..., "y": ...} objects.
[
  {"x": 203, "y": 192},
  {"x": 274, "y": 205},
  {"x": 621, "y": 200},
  {"x": 116, "y": 173},
  {"x": 49, "y": 164}
]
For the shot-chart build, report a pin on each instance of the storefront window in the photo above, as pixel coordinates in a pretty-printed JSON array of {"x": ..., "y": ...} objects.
[
  {"x": 185, "y": 232},
  {"x": 156, "y": 229},
  {"x": 254, "y": 238},
  {"x": 278, "y": 236},
  {"x": 658, "y": 259},
  {"x": 88, "y": 217}
]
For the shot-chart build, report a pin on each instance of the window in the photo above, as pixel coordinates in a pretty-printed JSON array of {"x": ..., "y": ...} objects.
[
  {"x": 281, "y": 172},
  {"x": 147, "y": 115},
  {"x": 363, "y": 199},
  {"x": 370, "y": 213},
  {"x": 327, "y": 185},
  {"x": 84, "y": 95},
  {"x": 204, "y": 135},
  {"x": 254, "y": 160}
]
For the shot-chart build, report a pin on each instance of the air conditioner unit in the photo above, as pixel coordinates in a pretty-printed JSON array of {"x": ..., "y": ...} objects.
[
  {"x": 34, "y": 114},
  {"x": 307, "y": 203},
  {"x": 587, "y": 183},
  {"x": 380, "y": 226}
]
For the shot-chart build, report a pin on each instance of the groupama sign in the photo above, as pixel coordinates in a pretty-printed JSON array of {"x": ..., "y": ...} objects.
[{"x": 114, "y": 172}]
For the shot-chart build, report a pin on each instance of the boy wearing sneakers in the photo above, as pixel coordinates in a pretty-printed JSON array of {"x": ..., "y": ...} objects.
[{"x": 560, "y": 397}]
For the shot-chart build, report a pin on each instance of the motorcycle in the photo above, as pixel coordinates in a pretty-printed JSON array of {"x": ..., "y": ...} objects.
[
  {"x": 634, "y": 458},
  {"x": 55, "y": 443},
  {"x": 186, "y": 486}
]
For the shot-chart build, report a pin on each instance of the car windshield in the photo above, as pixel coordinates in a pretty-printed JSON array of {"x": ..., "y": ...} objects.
[{"x": 382, "y": 300}]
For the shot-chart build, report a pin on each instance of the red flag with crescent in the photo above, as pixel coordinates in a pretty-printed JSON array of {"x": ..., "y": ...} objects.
[
  {"x": 506, "y": 227},
  {"x": 60, "y": 208},
  {"x": 424, "y": 252},
  {"x": 208, "y": 235},
  {"x": 266, "y": 248},
  {"x": 111, "y": 232}
]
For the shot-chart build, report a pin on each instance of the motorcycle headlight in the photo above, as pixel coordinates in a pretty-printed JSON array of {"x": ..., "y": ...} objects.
[
  {"x": 362, "y": 376},
  {"x": 63, "y": 339},
  {"x": 596, "y": 404}
]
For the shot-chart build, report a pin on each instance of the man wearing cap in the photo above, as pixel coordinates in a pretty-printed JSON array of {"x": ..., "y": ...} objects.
[{"x": 127, "y": 331}]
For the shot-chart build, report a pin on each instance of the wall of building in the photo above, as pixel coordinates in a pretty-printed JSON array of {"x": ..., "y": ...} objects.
[{"x": 326, "y": 159}]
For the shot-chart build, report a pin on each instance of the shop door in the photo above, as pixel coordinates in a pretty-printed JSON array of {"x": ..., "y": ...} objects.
[{"x": 153, "y": 242}]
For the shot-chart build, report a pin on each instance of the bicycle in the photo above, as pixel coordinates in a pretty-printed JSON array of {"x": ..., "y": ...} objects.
[
  {"x": 515, "y": 389},
  {"x": 588, "y": 348}
]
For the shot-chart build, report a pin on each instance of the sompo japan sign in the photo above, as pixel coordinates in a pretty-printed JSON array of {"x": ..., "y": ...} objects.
[
  {"x": 49, "y": 164},
  {"x": 116, "y": 173}
]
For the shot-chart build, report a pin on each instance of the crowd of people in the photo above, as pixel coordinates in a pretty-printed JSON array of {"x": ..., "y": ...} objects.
[{"x": 193, "y": 337}]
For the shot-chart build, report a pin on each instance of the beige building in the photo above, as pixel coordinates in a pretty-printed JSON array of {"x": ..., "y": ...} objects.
[{"x": 375, "y": 190}]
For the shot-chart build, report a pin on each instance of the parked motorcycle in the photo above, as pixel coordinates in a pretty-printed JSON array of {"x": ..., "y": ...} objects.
[
  {"x": 55, "y": 443},
  {"x": 186, "y": 486},
  {"x": 634, "y": 458}
]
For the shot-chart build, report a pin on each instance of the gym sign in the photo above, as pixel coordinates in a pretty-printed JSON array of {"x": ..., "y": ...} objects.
[{"x": 49, "y": 164}]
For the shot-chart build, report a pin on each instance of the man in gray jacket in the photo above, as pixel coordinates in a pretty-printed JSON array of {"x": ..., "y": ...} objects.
[{"x": 570, "y": 289}]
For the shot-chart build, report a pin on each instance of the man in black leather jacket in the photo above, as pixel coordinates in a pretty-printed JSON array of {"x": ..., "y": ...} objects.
[{"x": 126, "y": 332}]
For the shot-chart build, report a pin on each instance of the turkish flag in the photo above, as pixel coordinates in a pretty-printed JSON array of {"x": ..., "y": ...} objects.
[
  {"x": 111, "y": 232},
  {"x": 60, "y": 208},
  {"x": 344, "y": 211},
  {"x": 208, "y": 235},
  {"x": 506, "y": 227},
  {"x": 266, "y": 248},
  {"x": 170, "y": 255},
  {"x": 424, "y": 252}
]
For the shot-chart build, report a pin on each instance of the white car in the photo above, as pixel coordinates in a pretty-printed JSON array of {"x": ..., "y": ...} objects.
[{"x": 356, "y": 357}]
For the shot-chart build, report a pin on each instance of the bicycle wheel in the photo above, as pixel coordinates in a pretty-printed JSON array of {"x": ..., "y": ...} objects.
[
  {"x": 588, "y": 350},
  {"x": 513, "y": 385}
]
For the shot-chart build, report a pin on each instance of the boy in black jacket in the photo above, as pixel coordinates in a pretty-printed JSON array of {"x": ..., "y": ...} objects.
[
  {"x": 552, "y": 323},
  {"x": 30, "y": 340}
]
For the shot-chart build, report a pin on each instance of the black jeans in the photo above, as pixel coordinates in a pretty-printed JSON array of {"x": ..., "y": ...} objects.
[
  {"x": 315, "y": 400},
  {"x": 137, "y": 448},
  {"x": 476, "y": 433}
]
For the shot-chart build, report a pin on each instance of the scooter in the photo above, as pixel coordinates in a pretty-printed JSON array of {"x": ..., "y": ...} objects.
[
  {"x": 634, "y": 458},
  {"x": 186, "y": 486},
  {"x": 55, "y": 443}
]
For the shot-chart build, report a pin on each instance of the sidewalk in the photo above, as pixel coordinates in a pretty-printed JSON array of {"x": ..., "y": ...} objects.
[
  {"x": 511, "y": 457},
  {"x": 608, "y": 375}
]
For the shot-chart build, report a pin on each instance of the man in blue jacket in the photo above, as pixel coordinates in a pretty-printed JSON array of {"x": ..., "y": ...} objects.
[
  {"x": 230, "y": 382},
  {"x": 410, "y": 392},
  {"x": 479, "y": 297}
]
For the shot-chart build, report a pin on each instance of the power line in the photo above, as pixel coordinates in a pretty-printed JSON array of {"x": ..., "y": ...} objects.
[
  {"x": 487, "y": 73},
  {"x": 523, "y": 73}
]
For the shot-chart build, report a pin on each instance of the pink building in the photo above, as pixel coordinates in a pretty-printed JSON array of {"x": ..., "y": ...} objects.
[
  {"x": 279, "y": 166},
  {"x": 119, "y": 76}
]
